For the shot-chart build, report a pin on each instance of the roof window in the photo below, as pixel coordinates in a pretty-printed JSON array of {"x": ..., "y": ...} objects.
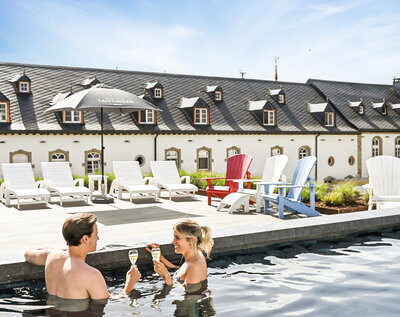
[
  {"x": 357, "y": 106},
  {"x": 215, "y": 92},
  {"x": 22, "y": 83},
  {"x": 196, "y": 109},
  {"x": 154, "y": 90},
  {"x": 90, "y": 81},
  {"x": 278, "y": 94}
]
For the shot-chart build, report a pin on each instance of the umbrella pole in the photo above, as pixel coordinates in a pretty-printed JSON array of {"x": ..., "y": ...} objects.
[
  {"x": 102, "y": 155},
  {"x": 103, "y": 199}
]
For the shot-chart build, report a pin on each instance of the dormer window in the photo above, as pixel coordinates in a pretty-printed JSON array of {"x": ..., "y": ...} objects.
[
  {"x": 157, "y": 93},
  {"x": 24, "y": 87},
  {"x": 90, "y": 81},
  {"x": 72, "y": 117},
  {"x": 357, "y": 106},
  {"x": 4, "y": 108},
  {"x": 329, "y": 119},
  {"x": 147, "y": 117},
  {"x": 361, "y": 109},
  {"x": 384, "y": 110},
  {"x": 154, "y": 90},
  {"x": 215, "y": 92},
  {"x": 269, "y": 117},
  {"x": 201, "y": 116},
  {"x": 278, "y": 95},
  {"x": 381, "y": 107},
  {"x": 4, "y": 112}
]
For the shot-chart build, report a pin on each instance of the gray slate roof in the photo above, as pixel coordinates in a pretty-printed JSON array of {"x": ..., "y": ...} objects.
[
  {"x": 339, "y": 93},
  {"x": 28, "y": 111}
]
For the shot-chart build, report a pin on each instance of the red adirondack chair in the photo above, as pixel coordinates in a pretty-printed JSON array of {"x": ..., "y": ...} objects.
[{"x": 237, "y": 168}]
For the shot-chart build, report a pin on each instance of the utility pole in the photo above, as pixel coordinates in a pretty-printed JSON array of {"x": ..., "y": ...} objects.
[{"x": 276, "y": 67}]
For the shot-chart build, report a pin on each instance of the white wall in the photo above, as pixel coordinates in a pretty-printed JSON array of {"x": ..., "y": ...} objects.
[
  {"x": 388, "y": 146},
  {"x": 127, "y": 147}
]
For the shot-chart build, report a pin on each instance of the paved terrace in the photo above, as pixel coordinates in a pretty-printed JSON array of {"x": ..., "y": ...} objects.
[{"x": 123, "y": 225}]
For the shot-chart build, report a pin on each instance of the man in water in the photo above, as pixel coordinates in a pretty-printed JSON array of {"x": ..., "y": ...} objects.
[{"x": 66, "y": 272}]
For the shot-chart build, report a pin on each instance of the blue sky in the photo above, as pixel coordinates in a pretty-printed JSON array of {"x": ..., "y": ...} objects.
[{"x": 356, "y": 40}]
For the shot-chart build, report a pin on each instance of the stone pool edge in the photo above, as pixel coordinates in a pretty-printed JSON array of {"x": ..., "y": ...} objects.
[{"x": 285, "y": 231}]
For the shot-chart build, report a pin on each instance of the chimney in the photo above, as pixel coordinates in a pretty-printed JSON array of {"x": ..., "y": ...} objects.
[{"x": 396, "y": 83}]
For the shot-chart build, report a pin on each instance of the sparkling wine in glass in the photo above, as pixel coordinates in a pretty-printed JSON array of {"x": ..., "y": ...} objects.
[
  {"x": 133, "y": 255},
  {"x": 156, "y": 253}
]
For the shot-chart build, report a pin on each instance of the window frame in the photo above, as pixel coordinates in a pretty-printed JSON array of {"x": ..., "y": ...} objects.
[
  {"x": 28, "y": 86},
  {"x": 6, "y": 110},
  {"x": 376, "y": 149},
  {"x": 276, "y": 147},
  {"x": 160, "y": 90},
  {"x": 210, "y": 160},
  {"x": 28, "y": 155},
  {"x": 397, "y": 147},
  {"x": 87, "y": 161},
  {"x": 59, "y": 151},
  {"x": 361, "y": 109},
  {"x": 237, "y": 149},
  {"x": 332, "y": 115},
  {"x": 178, "y": 151},
  {"x": 146, "y": 121},
  {"x": 73, "y": 121},
  {"x": 195, "y": 116},
  {"x": 283, "y": 100},
  {"x": 266, "y": 115},
  {"x": 219, "y": 94},
  {"x": 305, "y": 148}
]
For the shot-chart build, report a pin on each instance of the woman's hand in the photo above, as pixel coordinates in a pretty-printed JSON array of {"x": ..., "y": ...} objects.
[
  {"x": 162, "y": 271},
  {"x": 151, "y": 246}
]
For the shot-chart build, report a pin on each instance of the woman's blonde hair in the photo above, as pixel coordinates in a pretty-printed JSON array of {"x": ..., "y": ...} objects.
[{"x": 202, "y": 234}]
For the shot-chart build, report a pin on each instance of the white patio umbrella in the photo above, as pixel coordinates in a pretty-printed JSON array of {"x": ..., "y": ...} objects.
[{"x": 101, "y": 98}]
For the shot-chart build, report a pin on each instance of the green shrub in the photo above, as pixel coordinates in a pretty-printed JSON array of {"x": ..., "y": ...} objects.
[
  {"x": 320, "y": 192},
  {"x": 342, "y": 194}
]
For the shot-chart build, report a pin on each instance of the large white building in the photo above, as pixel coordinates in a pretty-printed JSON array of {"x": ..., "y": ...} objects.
[{"x": 204, "y": 120}]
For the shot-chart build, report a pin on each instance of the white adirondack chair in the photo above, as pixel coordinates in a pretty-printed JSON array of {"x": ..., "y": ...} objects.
[
  {"x": 384, "y": 181},
  {"x": 272, "y": 173},
  {"x": 59, "y": 181},
  {"x": 128, "y": 177},
  {"x": 167, "y": 177},
  {"x": 19, "y": 183},
  {"x": 293, "y": 201}
]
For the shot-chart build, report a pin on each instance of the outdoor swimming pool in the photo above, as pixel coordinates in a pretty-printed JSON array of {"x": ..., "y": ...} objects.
[{"x": 353, "y": 276}]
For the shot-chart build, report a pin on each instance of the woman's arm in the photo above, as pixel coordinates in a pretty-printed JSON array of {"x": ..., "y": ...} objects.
[
  {"x": 167, "y": 263},
  {"x": 163, "y": 271}
]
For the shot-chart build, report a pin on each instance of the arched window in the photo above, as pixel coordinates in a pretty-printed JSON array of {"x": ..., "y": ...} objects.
[
  {"x": 397, "y": 147},
  {"x": 20, "y": 156},
  {"x": 304, "y": 151},
  {"x": 92, "y": 161},
  {"x": 233, "y": 150},
  {"x": 376, "y": 146},
  {"x": 204, "y": 159},
  {"x": 173, "y": 154},
  {"x": 276, "y": 150},
  {"x": 58, "y": 156}
]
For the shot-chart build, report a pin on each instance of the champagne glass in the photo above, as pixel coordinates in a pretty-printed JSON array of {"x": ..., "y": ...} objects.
[
  {"x": 156, "y": 253},
  {"x": 133, "y": 255}
]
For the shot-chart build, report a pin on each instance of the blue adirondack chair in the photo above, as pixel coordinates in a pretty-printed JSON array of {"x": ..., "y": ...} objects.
[{"x": 292, "y": 201}]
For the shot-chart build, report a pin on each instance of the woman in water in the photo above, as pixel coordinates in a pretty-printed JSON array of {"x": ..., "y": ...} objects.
[{"x": 194, "y": 242}]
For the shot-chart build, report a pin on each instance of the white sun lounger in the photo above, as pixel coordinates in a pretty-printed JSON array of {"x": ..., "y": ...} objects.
[
  {"x": 128, "y": 177},
  {"x": 167, "y": 177},
  {"x": 19, "y": 183},
  {"x": 59, "y": 181}
]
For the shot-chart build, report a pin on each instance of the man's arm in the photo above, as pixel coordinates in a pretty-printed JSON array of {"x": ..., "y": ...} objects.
[
  {"x": 96, "y": 285},
  {"x": 37, "y": 256}
]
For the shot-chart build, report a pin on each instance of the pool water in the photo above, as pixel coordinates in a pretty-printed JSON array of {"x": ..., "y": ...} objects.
[{"x": 353, "y": 276}]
